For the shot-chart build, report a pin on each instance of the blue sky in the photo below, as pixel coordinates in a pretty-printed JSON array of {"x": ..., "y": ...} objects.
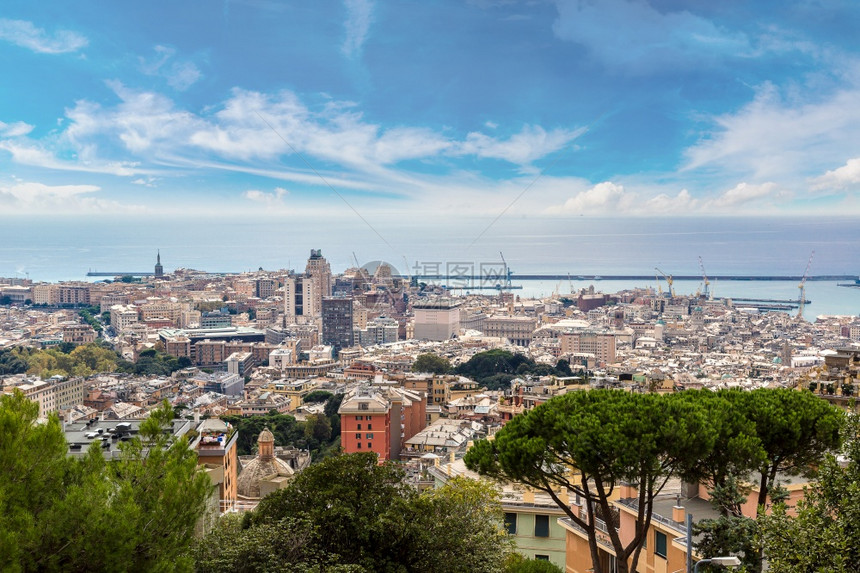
[{"x": 426, "y": 110}]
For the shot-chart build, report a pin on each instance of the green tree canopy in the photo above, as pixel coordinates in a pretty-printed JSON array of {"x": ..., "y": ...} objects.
[
  {"x": 823, "y": 535},
  {"x": 58, "y": 513},
  {"x": 432, "y": 364},
  {"x": 349, "y": 513},
  {"x": 611, "y": 437}
]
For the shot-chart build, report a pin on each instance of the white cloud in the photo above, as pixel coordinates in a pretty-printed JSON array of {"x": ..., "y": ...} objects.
[
  {"x": 522, "y": 148},
  {"x": 682, "y": 203},
  {"x": 26, "y": 35},
  {"x": 14, "y": 129},
  {"x": 32, "y": 154},
  {"x": 359, "y": 18},
  {"x": 275, "y": 198},
  {"x": 605, "y": 197},
  {"x": 147, "y": 136},
  {"x": 180, "y": 74},
  {"x": 632, "y": 36},
  {"x": 844, "y": 177},
  {"x": 742, "y": 194},
  {"x": 33, "y": 197},
  {"x": 779, "y": 138}
]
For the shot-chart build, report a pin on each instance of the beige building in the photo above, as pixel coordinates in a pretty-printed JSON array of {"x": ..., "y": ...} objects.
[
  {"x": 108, "y": 300},
  {"x": 78, "y": 334},
  {"x": 320, "y": 271},
  {"x": 436, "y": 319},
  {"x": 45, "y": 294},
  {"x": 518, "y": 329},
  {"x": 600, "y": 344},
  {"x": 300, "y": 300},
  {"x": 123, "y": 316},
  {"x": 73, "y": 294},
  {"x": 166, "y": 309}
]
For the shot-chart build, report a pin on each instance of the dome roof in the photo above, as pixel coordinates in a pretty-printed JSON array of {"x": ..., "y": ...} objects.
[
  {"x": 258, "y": 471},
  {"x": 266, "y": 436}
]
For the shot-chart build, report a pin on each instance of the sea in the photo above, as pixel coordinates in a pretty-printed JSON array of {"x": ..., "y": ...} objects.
[{"x": 54, "y": 248}]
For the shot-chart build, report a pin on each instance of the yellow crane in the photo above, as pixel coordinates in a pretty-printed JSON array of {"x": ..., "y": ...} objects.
[
  {"x": 705, "y": 280},
  {"x": 669, "y": 282},
  {"x": 801, "y": 301}
]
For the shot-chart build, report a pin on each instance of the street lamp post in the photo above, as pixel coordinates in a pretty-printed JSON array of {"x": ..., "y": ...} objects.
[{"x": 724, "y": 561}]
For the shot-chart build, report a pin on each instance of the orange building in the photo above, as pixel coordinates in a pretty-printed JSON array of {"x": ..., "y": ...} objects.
[
  {"x": 216, "y": 447},
  {"x": 665, "y": 546},
  {"x": 380, "y": 420}
]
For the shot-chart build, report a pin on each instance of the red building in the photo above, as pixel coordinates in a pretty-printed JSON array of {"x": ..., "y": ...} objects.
[{"x": 380, "y": 419}]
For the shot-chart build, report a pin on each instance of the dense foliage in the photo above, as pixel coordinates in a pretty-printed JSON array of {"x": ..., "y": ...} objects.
[
  {"x": 320, "y": 434},
  {"x": 613, "y": 437},
  {"x": 58, "y": 513},
  {"x": 495, "y": 369},
  {"x": 85, "y": 360},
  {"x": 516, "y": 563},
  {"x": 153, "y": 362},
  {"x": 431, "y": 364},
  {"x": 823, "y": 535},
  {"x": 350, "y": 513}
]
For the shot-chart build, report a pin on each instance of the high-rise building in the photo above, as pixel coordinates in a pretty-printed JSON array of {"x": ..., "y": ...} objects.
[
  {"x": 320, "y": 271},
  {"x": 300, "y": 300},
  {"x": 337, "y": 322},
  {"x": 378, "y": 331},
  {"x": 380, "y": 420},
  {"x": 159, "y": 270},
  {"x": 436, "y": 319}
]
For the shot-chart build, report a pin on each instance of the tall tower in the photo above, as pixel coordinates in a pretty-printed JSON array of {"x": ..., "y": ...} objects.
[
  {"x": 159, "y": 270},
  {"x": 320, "y": 271},
  {"x": 337, "y": 328}
]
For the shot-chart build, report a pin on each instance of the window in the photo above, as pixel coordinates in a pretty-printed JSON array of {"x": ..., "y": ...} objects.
[
  {"x": 358, "y": 426},
  {"x": 660, "y": 544},
  {"x": 370, "y": 426},
  {"x": 541, "y": 526},
  {"x": 369, "y": 436},
  {"x": 358, "y": 445},
  {"x": 363, "y": 406},
  {"x": 511, "y": 523},
  {"x": 369, "y": 446},
  {"x": 541, "y": 557},
  {"x": 358, "y": 436}
]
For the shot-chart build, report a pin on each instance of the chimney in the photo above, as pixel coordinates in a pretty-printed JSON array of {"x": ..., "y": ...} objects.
[{"x": 678, "y": 512}]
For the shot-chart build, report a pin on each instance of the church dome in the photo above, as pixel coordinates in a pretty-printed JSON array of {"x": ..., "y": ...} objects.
[
  {"x": 266, "y": 436},
  {"x": 265, "y": 472}
]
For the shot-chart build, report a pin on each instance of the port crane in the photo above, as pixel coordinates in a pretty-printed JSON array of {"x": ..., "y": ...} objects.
[
  {"x": 705, "y": 280},
  {"x": 507, "y": 279},
  {"x": 669, "y": 282},
  {"x": 801, "y": 302}
]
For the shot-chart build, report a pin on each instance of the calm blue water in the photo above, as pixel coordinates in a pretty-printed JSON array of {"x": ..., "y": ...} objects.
[{"x": 64, "y": 248}]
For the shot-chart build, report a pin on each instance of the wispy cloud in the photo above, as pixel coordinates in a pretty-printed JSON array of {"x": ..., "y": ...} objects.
[
  {"x": 14, "y": 129},
  {"x": 273, "y": 199},
  {"x": 26, "y": 35},
  {"x": 781, "y": 137},
  {"x": 633, "y": 37},
  {"x": 179, "y": 74},
  {"x": 847, "y": 176},
  {"x": 359, "y": 17},
  {"x": 28, "y": 196}
]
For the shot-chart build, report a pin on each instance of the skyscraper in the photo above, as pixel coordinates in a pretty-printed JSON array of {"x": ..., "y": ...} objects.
[
  {"x": 159, "y": 270},
  {"x": 337, "y": 322},
  {"x": 320, "y": 271},
  {"x": 300, "y": 300}
]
